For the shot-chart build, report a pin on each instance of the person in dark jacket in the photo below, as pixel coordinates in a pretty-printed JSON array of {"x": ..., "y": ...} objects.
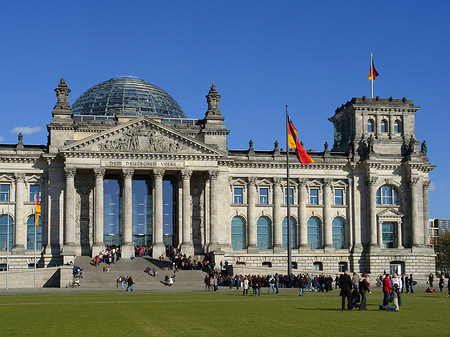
[
  {"x": 363, "y": 288},
  {"x": 345, "y": 283}
]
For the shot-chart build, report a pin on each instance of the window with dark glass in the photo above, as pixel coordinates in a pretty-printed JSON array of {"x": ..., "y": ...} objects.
[
  {"x": 314, "y": 196},
  {"x": 291, "y": 196},
  {"x": 112, "y": 213},
  {"x": 238, "y": 233},
  {"x": 264, "y": 195},
  {"x": 338, "y": 233},
  {"x": 263, "y": 233},
  {"x": 388, "y": 234},
  {"x": 5, "y": 222},
  {"x": 31, "y": 226},
  {"x": 314, "y": 233},
  {"x": 292, "y": 233},
  {"x": 170, "y": 222},
  {"x": 5, "y": 192},
  {"x": 397, "y": 127},
  {"x": 384, "y": 126},
  {"x": 387, "y": 195},
  {"x": 370, "y": 127},
  {"x": 34, "y": 192},
  {"x": 338, "y": 196},
  {"x": 238, "y": 195},
  {"x": 142, "y": 212}
]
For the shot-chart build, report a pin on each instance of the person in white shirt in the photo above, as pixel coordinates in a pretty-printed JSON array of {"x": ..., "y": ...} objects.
[{"x": 397, "y": 280}]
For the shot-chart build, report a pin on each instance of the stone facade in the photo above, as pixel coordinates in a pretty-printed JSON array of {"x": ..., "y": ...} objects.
[{"x": 367, "y": 197}]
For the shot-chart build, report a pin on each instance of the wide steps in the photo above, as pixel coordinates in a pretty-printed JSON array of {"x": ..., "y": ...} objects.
[{"x": 94, "y": 277}]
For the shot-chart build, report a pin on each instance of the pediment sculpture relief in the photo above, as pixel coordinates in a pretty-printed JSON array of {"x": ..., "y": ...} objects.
[{"x": 141, "y": 139}]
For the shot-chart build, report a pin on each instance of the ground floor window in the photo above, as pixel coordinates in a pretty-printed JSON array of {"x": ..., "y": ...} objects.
[
  {"x": 264, "y": 233},
  {"x": 338, "y": 233},
  {"x": 238, "y": 233},
  {"x": 317, "y": 266},
  {"x": 342, "y": 267},
  {"x": 292, "y": 233},
  {"x": 31, "y": 224},
  {"x": 314, "y": 238},
  {"x": 4, "y": 221}
]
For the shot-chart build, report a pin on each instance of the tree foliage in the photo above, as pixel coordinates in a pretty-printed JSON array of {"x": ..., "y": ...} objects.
[{"x": 444, "y": 251}]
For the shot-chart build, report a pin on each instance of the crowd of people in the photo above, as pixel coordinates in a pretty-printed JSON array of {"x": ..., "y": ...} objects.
[{"x": 110, "y": 255}]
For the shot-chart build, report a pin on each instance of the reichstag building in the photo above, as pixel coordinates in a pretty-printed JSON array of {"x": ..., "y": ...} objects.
[{"x": 124, "y": 166}]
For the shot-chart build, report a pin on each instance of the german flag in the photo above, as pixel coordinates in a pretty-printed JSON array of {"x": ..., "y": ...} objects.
[
  {"x": 372, "y": 70},
  {"x": 38, "y": 212},
  {"x": 293, "y": 142}
]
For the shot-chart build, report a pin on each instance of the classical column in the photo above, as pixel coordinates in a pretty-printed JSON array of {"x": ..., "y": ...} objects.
[
  {"x": 277, "y": 215},
  {"x": 327, "y": 214},
  {"x": 69, "y": 215},
  {"x": 19, "y": 225},
  {"x": 426, "y": 214},
  {"x": 399, "y": 234},
  {"x": 187, "y": 247},
  {"x": 416, "y": 227},
  {"x": 158, "y": 244},
  {"x": 127, "y": 248},
  {"x": 251, "y": 215},
  {"x": 98, "y": 211},
  {"x": 302, "y": 215},
  {"x": 372, "y": 181},
  {"x": 214, "y": 211}
]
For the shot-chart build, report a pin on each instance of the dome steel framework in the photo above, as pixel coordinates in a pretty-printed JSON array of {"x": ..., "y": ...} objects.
[{"x": 127, "y": 95}]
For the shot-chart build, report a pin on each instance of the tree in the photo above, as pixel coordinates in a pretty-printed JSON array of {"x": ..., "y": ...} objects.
[{"x": 444, "y": 251}]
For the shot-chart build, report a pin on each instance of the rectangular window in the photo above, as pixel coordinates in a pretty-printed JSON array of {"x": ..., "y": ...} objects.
[
  {"x": 238, "y": 195},
  {"x": 314, "y": 196},
  {"x": 264, "y": 196},
  {"x": 388, "y": 235},
  {"x": 34, "y": 192},
  {"x": 338, "y": 197},
  {"x": 291, "y": 196},
  {"x": 4, "y": 192}
]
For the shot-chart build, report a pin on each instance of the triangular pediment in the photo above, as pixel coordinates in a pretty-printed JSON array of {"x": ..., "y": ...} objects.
[
  {"x": 144, "y": 136},
  {"x": 390, "y": 213}
]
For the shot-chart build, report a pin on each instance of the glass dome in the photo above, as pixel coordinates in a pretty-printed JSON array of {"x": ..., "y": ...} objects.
[{"x": 127, "y": 95}]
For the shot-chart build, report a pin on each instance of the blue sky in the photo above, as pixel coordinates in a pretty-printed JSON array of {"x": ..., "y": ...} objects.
[{"x": 261, "y": 55}]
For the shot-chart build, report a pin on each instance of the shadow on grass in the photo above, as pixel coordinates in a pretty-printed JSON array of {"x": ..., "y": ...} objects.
[{"x": 319, "y": 309}]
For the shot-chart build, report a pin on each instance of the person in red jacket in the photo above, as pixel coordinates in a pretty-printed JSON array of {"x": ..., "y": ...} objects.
[{"x": 386, "y": 289}]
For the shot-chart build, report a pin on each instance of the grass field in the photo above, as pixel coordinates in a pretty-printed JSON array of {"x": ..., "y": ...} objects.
[{"x": 222, "y": 313}]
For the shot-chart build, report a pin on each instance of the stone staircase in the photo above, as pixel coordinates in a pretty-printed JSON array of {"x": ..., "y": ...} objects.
[{"x": 96, "y": 278}]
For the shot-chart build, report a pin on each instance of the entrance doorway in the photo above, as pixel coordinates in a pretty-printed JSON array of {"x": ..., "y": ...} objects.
[{"x": 397, "y": 267}]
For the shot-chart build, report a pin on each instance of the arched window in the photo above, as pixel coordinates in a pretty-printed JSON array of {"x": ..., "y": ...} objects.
[
  {"x": 387, "y": 195},
  {"x": 370, "y": 127},
  {"x": 4, "y": 221},
  {"x": 314, "y": 233},
  {"x": 30, "y": 233},
  {"x": 384, "y": 126},
  {"x": 293, "y": 233},
  {"x": 238, "y": 233},
  {"x": 263, "y": 233},
  {"x": 397, "y": 127},
  {"x": 338, "y": 233}
]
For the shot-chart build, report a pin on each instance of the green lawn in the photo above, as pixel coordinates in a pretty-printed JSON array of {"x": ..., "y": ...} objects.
[{"x": 221, "y": 313}]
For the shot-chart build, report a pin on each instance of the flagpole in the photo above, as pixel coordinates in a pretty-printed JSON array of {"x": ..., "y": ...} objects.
[
  {"x": 288, "y": 198},
  {"x": 36, "y": 223},
  {"x": 371, "y": 70},
  {"x": 7, "y": 245}
]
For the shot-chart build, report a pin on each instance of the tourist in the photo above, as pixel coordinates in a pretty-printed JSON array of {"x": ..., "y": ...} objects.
[
  {"x": 395, "y": 280},
  {"x": 386, "y": 289},
  {"x": 345, "y": 283},
  {"x": 130, "y": 284},
  {"x": 272, "y": 284},
  {"x": 441, "y": 283},
  {"x": 407, "y": 283},
  {"x": 301, "y": 285},
  {"x": 363, "y": 288},
  {"x": 246, "y": 286},
  {"x": 355, "y": 280},
  {"x": 411, "y": 283}
]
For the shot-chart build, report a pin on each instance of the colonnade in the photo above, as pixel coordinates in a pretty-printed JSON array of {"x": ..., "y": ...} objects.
[{"x": 127, "y": 247}]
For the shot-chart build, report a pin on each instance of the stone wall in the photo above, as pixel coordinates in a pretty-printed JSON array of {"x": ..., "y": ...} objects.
[{"x": 45, "y": 277}]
